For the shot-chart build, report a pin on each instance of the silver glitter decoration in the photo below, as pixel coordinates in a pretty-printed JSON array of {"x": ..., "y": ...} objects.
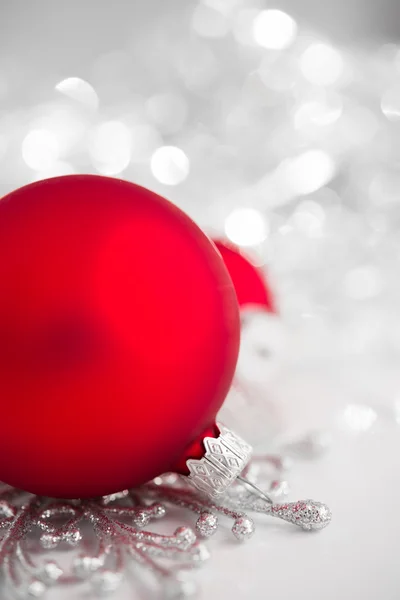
[
  {"x": 118, "y": 534},
  {"x": 307, "y": 514},
  {"x": 243, "y": 528},
  {"x": 207, "y": 524}
]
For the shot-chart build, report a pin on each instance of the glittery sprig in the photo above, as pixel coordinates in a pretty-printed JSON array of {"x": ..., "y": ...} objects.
[{"x": 105, "y": 534}]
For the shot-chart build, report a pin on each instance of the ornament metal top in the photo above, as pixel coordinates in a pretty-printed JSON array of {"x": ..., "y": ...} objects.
[{"x": 224, "y": 460}]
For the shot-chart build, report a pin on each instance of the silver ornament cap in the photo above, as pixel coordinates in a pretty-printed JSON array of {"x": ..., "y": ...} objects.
[{"x": 224, "y": 459}]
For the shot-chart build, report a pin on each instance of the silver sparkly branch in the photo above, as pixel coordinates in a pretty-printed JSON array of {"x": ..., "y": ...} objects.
[{"x": 105, "y": 534}]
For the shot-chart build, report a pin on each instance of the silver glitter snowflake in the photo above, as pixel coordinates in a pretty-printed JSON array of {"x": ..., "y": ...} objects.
[{"x": 107, "y": 533}]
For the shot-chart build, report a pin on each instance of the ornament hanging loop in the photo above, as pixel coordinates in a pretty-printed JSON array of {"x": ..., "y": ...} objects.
[{"x": 257, "y": 490}]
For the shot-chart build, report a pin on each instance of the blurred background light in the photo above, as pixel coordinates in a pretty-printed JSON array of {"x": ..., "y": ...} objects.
[
  {"x": 309, "y": 171},
  {"x": 79, "y": 90},
  {"x": 321, "y": 64},
  {"x": 390, "y": 103},
  {"x": 309, "y": 218},
  {"x": 65, "y": 123},
  {"x": 3, "y": 145},
  {"x": 246, "y": 227},
  {"x": 274, "y": 29},
  {"x": 145, "y": 140},
  {"x": 110, "y": 147},
  {"x": 170, "y": 165},
  {"x": 248, "y": 111},
  {"x": 357, "y": 127},
  {"x": 197, "y": 65},
  {"x": 225, "y": 7},
  {"x": 243, "y": 26},
  {"x": 319, "y": 113},
  {"x": 358, "y": 418},
  {"x": 40, "y": 149},
  {"x": 209, "y": 22},
  {"x": 58, "y": 169},
  {"x": 167, "y": 111},
  {"x": 278, "y": 74}
]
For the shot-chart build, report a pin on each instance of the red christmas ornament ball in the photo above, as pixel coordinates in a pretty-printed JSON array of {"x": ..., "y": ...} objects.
[
  {"x": 119, "y": 336},
  {"x": 249, "y": 281}
]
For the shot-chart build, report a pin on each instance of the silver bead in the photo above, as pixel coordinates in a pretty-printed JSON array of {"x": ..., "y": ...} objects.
[
  {"x": 308, "y": 514},
  {"x": 73, "y": 537},
  {"x": 158, "y": 510},
  {"x": 243, "y": 528},
  {"x": 141, "y": 518},
  {"x": 207, "y": 524},
  {"x": 315, "y": 515},
  {"x": 185, "y": 537}
]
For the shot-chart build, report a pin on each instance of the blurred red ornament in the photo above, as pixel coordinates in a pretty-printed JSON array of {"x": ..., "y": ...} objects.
[
  {"x": 249, "y": 281},
  {"x": 119, "y": 335}
]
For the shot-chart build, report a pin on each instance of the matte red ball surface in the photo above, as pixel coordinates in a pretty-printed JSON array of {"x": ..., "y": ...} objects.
[
  {"x": 249, "y": 281},
  {"x": 119, "y": 335}
]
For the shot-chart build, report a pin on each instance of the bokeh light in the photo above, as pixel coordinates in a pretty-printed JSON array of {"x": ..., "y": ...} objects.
[
  {"x": 321, "y": 64},
  {"x": 390, "y": 103},
  {"x": 170, "y": 165},
  {"x": 309, "y": 218},
  {"x": 243, "y": 26},
  {"x": 209, "y": 22},
  {"x": 318, "y": 113},
  {"x": 79, "y": 90},
  {"x": 357, "y": 418},
  {"x": 3, "y": 145},
  {"x": 248, "y": 113},
  {"x": 40, "y": 149},
  {"x": 274, "y": 29},
  {"x": 145, "y": 140},
  {"x": 167, "y": 111},
  {"x": 309, "y": 171},
  {"x": 110, "y": 147},
  {"x": 65, "y": 123},
  {"x": 58, "y": 169},
  {"x": 246, "y": 227}
]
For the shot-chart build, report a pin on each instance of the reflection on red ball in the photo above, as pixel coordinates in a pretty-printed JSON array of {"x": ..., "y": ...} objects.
[
  {"x": 119, "y": 335},
  {"x": 249, "y": 281}
]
